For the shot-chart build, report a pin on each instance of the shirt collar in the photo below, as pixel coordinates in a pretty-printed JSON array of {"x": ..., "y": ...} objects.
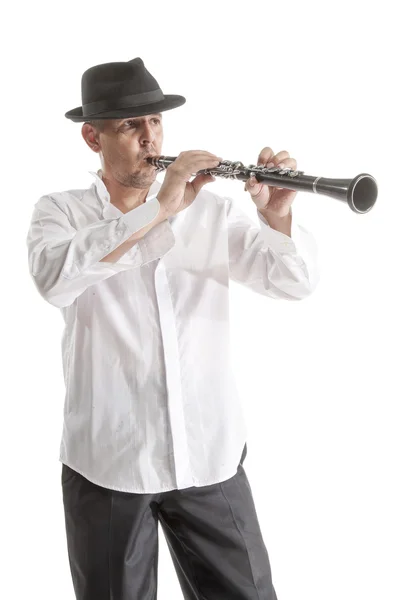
[{"x": 103, "y": 192}]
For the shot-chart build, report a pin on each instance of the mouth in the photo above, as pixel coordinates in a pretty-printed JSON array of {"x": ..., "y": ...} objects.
[{"x": 147, "y": 162}]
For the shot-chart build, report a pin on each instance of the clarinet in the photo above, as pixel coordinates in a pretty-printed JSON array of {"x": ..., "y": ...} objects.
[{"x": 360, "y": 193}]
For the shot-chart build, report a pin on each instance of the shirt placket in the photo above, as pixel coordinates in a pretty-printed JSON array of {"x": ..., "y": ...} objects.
[{"x": 173, "y": 378}]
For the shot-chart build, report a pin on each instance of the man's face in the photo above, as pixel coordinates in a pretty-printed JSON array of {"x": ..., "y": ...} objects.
[{"x": 124, "y": 145}]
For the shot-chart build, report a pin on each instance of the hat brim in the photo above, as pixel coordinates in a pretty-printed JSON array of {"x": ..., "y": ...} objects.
[{"x": 170, "y": 101}]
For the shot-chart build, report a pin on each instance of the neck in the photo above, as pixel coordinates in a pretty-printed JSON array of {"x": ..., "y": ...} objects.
[{"x": 124, "y": 198}]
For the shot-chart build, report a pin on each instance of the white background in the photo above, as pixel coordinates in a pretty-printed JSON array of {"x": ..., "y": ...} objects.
[{"x": 318, "y": 378}]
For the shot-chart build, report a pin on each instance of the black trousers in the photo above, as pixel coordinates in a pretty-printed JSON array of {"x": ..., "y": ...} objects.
[{"x": 212, "y": 533}]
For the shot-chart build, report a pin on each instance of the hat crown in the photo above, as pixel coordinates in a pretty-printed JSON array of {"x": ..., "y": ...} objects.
[{"x": 108, "y": 80}]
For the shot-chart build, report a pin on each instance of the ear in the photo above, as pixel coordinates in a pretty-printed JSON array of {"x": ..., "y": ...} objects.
[{"x": 90, "y": 135}]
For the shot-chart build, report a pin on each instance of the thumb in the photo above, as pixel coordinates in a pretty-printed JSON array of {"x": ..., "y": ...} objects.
[
  {"x": 201, "y": 180},
  {"x": 253, "y": 186}
]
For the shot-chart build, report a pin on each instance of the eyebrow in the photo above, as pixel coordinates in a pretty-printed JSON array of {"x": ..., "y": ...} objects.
[{"x": 138, "y": 118}]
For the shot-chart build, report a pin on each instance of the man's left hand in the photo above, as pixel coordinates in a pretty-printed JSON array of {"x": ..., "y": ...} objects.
[{"x": 272, "y": 200}]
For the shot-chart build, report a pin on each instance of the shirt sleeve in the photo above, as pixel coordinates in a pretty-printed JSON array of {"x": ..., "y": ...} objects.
[
  {"x": 64, "y": 261},
  {"x": 270, "y": 262}
]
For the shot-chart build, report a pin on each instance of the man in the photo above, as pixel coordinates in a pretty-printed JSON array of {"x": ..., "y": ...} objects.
[{"x": 153, "y": 429}]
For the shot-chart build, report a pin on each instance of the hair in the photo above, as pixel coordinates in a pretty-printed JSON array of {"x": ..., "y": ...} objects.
[{"x": 99, "y": 124}]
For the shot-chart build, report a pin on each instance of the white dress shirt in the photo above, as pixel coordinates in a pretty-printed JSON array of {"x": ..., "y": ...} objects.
[{"x": 151, "y": 402}]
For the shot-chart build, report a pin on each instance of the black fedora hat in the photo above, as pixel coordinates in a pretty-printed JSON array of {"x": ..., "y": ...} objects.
[{"x": 121, "y": 89}]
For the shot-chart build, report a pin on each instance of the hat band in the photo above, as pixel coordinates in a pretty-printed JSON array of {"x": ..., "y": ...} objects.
[{"x": 123, "y": 102}]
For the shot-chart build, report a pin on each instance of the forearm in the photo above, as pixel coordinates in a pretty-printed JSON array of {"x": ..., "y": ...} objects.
[
  {"x": 116, "y": 254},
  {"x": 65, "y": 261}
]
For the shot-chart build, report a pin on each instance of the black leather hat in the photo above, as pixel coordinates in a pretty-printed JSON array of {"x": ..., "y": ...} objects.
[{"x": 121, "y": 89}]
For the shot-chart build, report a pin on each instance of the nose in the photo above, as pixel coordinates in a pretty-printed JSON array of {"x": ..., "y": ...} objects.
[{"x": 147, "y": 136}]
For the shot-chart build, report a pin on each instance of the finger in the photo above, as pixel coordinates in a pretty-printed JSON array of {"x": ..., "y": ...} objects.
[
  {"x": 206, "y": 163},
  {"x": 198, "y": 155},
  {"x": 201, "y": 180},
  {"x": 252, "y": 186},
  {"x": 203, "y": 157},
  {"x": 279, "y": 157},
  {"x": 265, "y": 156},
  {"x": 209, "y": 156},
  {"x": 290, "y": 163},
  {"x": 287, "y": 163}
]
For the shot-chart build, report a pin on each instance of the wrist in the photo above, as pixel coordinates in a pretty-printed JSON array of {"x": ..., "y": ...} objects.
[
  {"x": 277, "y": 222},
  {"x": 268, "y": 214},
  {"x": 163, "y": 212}
]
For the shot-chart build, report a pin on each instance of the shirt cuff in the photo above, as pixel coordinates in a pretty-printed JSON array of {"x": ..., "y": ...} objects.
[
  {"x": 142, "y": 215},
  {"x": 301, "y": 244},
  {"x": 156, "y": 242}
]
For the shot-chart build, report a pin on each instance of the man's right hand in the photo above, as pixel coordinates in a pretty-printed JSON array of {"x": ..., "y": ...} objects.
[{"x": 177, "y": 192}]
